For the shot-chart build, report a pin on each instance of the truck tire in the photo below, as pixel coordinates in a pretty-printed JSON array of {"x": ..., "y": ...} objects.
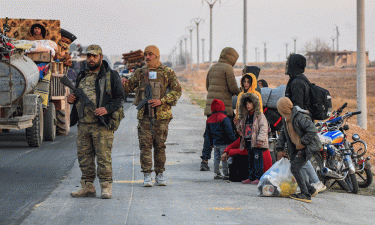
[
  {"x": 34, "y": 134},
  {"x": 49, "y": 126},
  {"x": 63, "y": 120}
]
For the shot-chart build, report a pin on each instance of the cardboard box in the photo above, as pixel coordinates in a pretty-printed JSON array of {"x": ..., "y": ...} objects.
[{"x": 40, "y": 56}]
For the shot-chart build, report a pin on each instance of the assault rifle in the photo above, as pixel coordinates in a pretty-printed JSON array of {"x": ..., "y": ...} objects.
[
  {"x": 148, "y": 96},
  {"x": 82, "y": 97}
]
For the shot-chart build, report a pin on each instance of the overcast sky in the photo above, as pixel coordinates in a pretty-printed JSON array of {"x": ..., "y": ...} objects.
[{"x": 120, "y": 26}]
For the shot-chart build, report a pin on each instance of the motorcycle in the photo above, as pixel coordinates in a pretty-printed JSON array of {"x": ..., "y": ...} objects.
[{"x": 339, "y": 158}]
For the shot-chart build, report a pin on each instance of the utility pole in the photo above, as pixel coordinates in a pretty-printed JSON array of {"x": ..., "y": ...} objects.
[
  {"x": 265, "y": 52},
  {"x": 180, "y": 58},
  {"x": 244, "y": 32},
  {"x": 333, "y": 43},
  {"x": 256, "y": 54},
  {"x": 202, "y": 50},
  {"x": 191, "y": 28},
  {"x": 361, "y": 65},
  {"x": 286, "y": 50},
  {"x": 211, "y": 3},
  {"x": 337, "y": 36},
  {"x": 197, "y": 21},
  {"x": 185, "y": 37},
  {"x": 295, "y": 45}
]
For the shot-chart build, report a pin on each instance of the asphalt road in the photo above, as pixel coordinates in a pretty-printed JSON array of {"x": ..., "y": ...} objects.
[
  {"x": 29, "y": 175},
  {"x": 191, "y": 196}
]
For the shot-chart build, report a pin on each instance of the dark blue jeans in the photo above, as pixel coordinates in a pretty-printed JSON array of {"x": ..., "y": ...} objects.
[
  {"x": 297, "y": 163},
  {"x": 255, "y": 158}
]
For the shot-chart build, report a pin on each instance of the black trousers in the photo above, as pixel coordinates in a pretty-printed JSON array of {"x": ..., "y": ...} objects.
[{"x": 296, "y": 164}]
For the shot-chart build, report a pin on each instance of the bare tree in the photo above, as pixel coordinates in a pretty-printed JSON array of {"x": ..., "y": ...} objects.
[{"x": 318, "y": 51}]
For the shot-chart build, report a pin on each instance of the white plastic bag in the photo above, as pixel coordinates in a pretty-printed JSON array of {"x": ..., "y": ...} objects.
[
  {"x": 278, "y": 180},
  {"x": 44, "y": 46}
]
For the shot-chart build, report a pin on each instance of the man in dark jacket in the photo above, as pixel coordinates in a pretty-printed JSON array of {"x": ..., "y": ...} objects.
[
  {"x": 297, "y": 89},
  {"x": 300, "y": 134},
  {"x": 103, "y": 87}
]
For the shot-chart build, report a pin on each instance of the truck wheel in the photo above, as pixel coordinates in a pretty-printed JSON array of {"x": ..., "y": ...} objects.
[
  {"x": 34, "y": 134},
  {"x": 63, "y": 120},
  {"x": 50, "y": 123}
]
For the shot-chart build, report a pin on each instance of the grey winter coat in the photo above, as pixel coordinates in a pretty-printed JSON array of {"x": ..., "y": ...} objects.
[
  {"x": 306, "y": 130},
  {"x": 220, "y": 81}
]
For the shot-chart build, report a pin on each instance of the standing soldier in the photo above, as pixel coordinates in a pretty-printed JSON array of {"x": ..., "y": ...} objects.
[
  {"x": 158, "y": 90},
  {"x": 103, "y": 87}
]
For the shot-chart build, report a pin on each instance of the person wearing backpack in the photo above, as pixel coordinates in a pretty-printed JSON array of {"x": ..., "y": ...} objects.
[{"x": 298, "y": 91}]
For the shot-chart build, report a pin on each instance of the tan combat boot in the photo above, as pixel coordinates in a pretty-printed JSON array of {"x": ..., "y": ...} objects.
[
  {"x": 87, "y": 190},
  {"x": 106, "y": 190}
]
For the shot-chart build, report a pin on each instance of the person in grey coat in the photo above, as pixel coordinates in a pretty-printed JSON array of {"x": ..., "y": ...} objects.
[{"x": 300, "y": 134}]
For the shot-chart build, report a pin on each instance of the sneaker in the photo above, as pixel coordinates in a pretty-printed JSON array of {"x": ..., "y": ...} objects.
[
  {"x": 147, "y": 180},
  {"x": 159, "y": 180},
  {"x": 319, "y": 186},
  {"x": 204, "y": 166},
  {"x": 298, "y": 190},
  {"x": 247, "y": 181},
  {"x": 218, "y": 176},
  {"x": 255, "y": 182},
  {"x": 313, "y": 192},
  {"x": 226, "y": 177},
  {"x": 301, "y": 197}
]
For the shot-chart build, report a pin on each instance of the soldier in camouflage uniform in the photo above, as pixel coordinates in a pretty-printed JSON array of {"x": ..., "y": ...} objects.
[
  {"x": 103, "y": 87},
  {"x": 154, "y": 116}
]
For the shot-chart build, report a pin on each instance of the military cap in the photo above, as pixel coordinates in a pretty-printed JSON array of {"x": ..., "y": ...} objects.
[{"x": 94, "y": 50}]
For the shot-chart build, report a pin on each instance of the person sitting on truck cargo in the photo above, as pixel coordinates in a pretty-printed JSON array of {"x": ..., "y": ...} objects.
[{"x": 37, "y": 32}]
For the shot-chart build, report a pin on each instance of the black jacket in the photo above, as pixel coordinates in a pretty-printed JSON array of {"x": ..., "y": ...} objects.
[
  {"x": 111, "y": 103},
  {"x": 297, "y": 89}
]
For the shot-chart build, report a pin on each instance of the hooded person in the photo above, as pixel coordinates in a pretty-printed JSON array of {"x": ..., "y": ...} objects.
[
  {"x": 297, "y": 89},
  {"x": 153, "y": 114},
  {"x": 300, "y": 135},
  {"x": 219, "y": 134},
  {"x": 37, "y": 32},
  {"x": 248, "y": 85},
  {"x": 262, "y": 83},
  {"x": 254, "y": 70},
  {"x": 220, "y": 81}
]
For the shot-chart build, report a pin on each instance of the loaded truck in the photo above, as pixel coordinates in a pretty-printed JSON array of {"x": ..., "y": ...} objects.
[{"x": 29, "y": 100}]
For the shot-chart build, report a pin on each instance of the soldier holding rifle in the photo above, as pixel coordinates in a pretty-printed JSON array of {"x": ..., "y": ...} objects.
[
  {"x": 103, "y": 87},
  {"x": 158, "y": 90}
]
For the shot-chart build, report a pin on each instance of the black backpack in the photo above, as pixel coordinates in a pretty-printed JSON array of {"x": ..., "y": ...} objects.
[{"x": 320, "y": 101}]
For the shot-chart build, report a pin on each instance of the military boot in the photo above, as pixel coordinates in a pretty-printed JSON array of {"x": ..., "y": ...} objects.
[
  {"x": 87, "y": 190},
  {"x": 106, "y": 190}
]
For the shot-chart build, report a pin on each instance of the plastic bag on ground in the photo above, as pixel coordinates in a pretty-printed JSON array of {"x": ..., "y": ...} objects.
[{"x": 278, "y": 181}]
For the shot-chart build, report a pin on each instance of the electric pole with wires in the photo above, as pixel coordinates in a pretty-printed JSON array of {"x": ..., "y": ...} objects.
[
  {"x": 191, "y": 28},
  {"x": 211, "y": 3},
  {"x": 197, "y": 21}
]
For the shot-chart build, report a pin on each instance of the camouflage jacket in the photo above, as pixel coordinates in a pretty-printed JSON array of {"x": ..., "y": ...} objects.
[{"x": 169, "y": 90}]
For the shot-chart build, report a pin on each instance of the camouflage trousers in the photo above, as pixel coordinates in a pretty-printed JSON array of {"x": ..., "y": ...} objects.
[
  {"x": 95, "y": 141},
  {"x": 147, "y": 141}
]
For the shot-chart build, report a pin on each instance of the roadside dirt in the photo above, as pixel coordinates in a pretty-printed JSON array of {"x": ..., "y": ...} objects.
[{"x": 342, "y": 84}]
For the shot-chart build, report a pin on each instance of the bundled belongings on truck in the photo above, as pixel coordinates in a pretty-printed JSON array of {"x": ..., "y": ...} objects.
[
  {"x": 131, "y": 59},
  {"x": 269, "y": 98}
]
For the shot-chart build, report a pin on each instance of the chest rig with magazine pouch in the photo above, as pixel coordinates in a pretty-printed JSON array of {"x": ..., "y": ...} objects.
[
  {"x": 118, "y": 115},
  {"x": 157, "y": 85}
]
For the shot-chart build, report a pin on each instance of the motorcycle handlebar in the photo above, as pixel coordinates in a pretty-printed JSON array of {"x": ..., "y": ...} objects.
[
  {"x": 356, "y": 113},
  {"x": 342, "y": 107}
]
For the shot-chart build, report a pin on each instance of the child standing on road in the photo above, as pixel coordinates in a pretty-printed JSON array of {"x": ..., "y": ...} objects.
[
  {"x": 300, "y": 134},
  {"x": 252, "y": 125},
  {"x": 219, "y": 134}
]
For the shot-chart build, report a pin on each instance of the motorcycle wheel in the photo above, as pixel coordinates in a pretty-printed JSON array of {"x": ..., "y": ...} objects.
[
  {"x": 364, "y": 178},
  {"x": 349, "y": 184},
  {"x": 317, "y": 163}
]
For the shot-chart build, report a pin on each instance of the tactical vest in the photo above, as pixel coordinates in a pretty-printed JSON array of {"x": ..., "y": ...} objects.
[{"x": 159, "y": 90}]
